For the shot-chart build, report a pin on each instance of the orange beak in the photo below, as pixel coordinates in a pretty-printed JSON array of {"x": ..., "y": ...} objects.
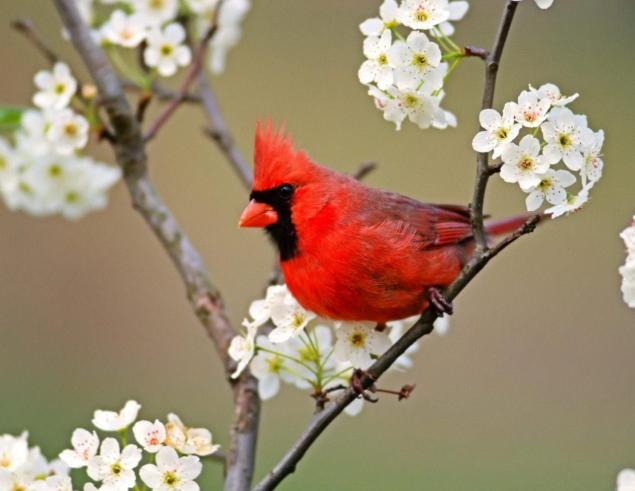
[{"x": 257, "y": 215}]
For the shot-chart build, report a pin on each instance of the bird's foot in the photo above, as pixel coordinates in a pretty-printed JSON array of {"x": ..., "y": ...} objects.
[
  {"x": 357, "y": 384},
  {"x": 438, "y": 302}
]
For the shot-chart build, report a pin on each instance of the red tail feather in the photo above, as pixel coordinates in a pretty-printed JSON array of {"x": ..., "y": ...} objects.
[{"x": 506, "y": 225}]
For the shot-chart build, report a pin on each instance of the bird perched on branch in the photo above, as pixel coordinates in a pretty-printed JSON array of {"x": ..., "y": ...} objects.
[{"x": 348, "y": 251}]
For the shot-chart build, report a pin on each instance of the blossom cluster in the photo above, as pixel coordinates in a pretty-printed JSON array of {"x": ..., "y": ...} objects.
[
  {"x": 157, "y": 26},
  {"x": 628, "y": 269},
  {"x": 405, "y": 74},
  {"x": 172, "y": 452},
  {"x": 554, "y": 135},
  {"x": 308, "y": 352},
  {"x": 42, "y": 171}
]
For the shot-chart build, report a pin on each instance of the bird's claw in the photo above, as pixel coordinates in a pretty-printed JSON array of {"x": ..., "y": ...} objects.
[
  {"x": 358, "y": 386},
  {"x": 438, "y": 302}
]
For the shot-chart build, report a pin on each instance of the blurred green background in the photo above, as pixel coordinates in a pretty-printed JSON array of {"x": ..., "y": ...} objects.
[{"x": 533, "y": 388}]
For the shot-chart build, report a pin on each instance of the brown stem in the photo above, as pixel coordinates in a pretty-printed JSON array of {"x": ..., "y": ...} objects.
[
  {"x": 27, "y": 29},
  {"x": 219, "y": 132},
  {"x": 205, "y": 298},
  {"x": 476, "y": 52},
  {"x": 492, "y": 62}
]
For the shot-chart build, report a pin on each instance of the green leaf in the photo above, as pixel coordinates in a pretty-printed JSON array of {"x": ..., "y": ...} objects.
[{"x": 10, "y": 117}]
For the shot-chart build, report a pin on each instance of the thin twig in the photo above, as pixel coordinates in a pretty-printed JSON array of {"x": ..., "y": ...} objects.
[
  {"x": 203, "y": 295},
  {"x": 425, "y": 324},
  {"x": 482, "y": 173},
  {"x": 219, "y": 132},
  {"x": 182, "y": 93},
  {"x": 475, "y": 51},
  {"x": 160, "y": 92},
  {"x": 364, "y": 169},
  {"x": 27, "y": 29}
]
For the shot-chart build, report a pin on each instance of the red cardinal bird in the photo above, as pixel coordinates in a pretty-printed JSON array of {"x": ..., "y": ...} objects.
[{"x": 351, "y": 252}]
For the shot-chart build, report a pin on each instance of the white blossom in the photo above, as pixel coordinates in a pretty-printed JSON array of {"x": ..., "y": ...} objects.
[
  {"x": 125, "y": 30},
  {"x": 499, "y": 130},
  {"x": 117, "y": 421},
  {"x": 626, "y": 480},
  {"x": 156, "y": 12},
  {"x": 68, "y": 132},
  {"x": 270, "y": 366},
  {"x": 115, "y": 467},
  {"x": 14, "y": 451},
  {"x": 149, "y": 435},
  {"x": 414, "y": 60},
  {"x": 551, "y": 188},
  {"x": 628, "y": 269},
  {"x": 189, "y": 441},
  {"x": 376, "y": 68},
  {"x": 242, "y": 347},
  {"x": 457, "y": 10},
  {"x": 531, "y": 109},
  {"x": 85, "y": 445},
  {"x": 523, "y": 163},
  {"x": 387, "y": 19},
  {"x": 201, "y": 6},
  {"x": 552, "y": 93},
  {"x": 52, "y": 483},
  {"x": 228, "y": 33},
  {"x": 566, "y": 134},
  {"x": 290, "y": 319},
  {"x": 359, "y": 343},
  {"x": 172, "y": 472},
  {"x": 592, "y": 158},
  {"x": 166, "y": 51},
  {"x": 423, "y": 14},
  {"x": 56, "y": 88},
  {"x": 260, "y": 310},
  {"x": 572, "y": 203},
  {"x": 420, "y": 105}
]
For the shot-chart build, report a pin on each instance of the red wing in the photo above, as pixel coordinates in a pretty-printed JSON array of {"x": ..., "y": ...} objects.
[{"x": 434, "y": 225}]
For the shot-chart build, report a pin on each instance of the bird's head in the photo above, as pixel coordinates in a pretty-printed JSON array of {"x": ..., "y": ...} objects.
[{"x": 280, "y": 175}]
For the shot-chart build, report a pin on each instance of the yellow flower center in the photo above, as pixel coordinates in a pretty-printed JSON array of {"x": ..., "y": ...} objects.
[
  {"x": 358, "y": 339},
  {"x": 275, "y": 364},
  {"x": 170, "y": 478},
  {"x": 382, "y": 59},
  {"x": 419, "y": 60},
  {"x": 411, "y": 101},
  {"x": 71, "y": 197},
  {"x": 116, "y": 469},
  {"x": 166, "y": 50},
  {"x": 297, "y": 319},
  {"x": 156, "y": 4},
  {"x": 55, "y": 170},
  {"x": 59, "y": 88},
  {"x": 565, "y": 140},
  {"x": 421, "y": 15},
  {"x": 70, "y": 129},
  {"x": 501, "y": 133},
  {"x": 525, "y": 163}
]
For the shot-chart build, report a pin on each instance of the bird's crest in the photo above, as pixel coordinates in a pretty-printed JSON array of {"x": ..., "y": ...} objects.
[{"x": 276, "y": 161}]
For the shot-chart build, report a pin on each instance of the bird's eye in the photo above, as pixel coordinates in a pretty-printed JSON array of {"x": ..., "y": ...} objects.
[{"x": 285, "y": 191}]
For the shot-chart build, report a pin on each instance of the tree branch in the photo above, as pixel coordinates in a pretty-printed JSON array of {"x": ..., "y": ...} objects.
[
  {"x": 425, "y": 324},
  {"x": 27, "y": 29},
  {"x": 492, "y": 62},
  {"x": 193, "y": 71},
  {"x": 219, "y": 132},
  {"x": 204, "y": 296}
]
